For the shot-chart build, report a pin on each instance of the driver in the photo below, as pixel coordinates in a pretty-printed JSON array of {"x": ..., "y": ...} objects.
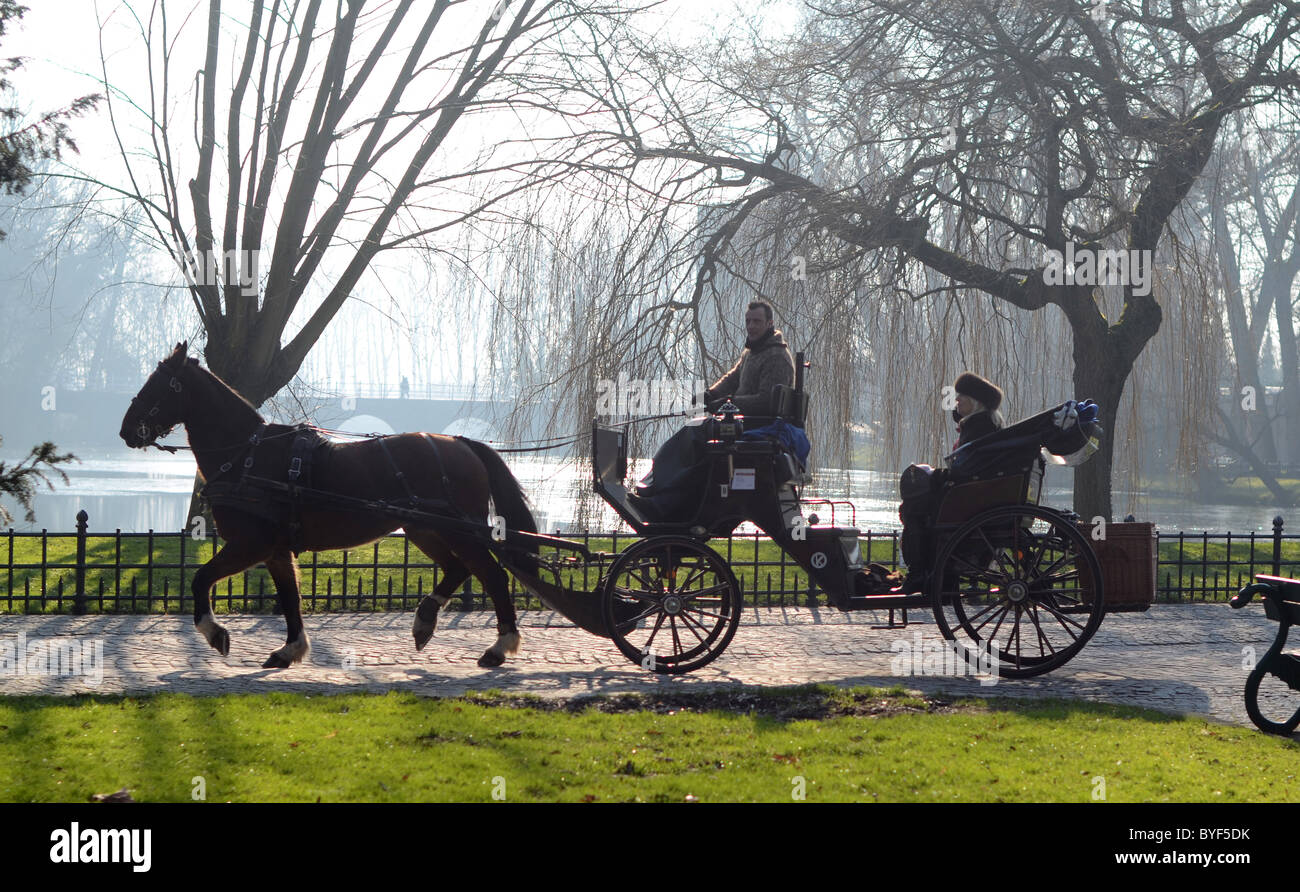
[
  {"x": 764, "y": 364},
  {"x": 751, "y": 385}
]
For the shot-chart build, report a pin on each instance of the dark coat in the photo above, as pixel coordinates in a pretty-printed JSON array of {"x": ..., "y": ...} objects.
[
  {"x": 751, "y": 383},
  {"x": 976, "y": 425}
]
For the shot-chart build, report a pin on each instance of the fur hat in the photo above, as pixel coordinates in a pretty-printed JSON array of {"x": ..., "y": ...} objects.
[{"x": 972, "y": 385}]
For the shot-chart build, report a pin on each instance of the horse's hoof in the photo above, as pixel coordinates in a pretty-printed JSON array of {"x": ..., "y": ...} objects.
[
  {"x": 489, "y": 660},
  {"x": 275, "y": 661},
  {"x": 217, "y": 637}
]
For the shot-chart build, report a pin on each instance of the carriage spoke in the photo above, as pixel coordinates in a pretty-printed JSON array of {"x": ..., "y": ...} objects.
[
  {"x": 1066, "y": 555},
  {"x": 705, "y": 592},
  {"x": 997, "y": 553},
  {"x": 1061, "y": 618},
  {"x": 633, "y": 594},
  {"x": 697, "y": 573},
  {"x": 1038, "y": 558},
  {"x": 1001, "y": 615},
  {"x": 1017, "y": 638},
  {"x": 972, "y": 569},
  {"x": 691, "y": 625},
  {"x": 1060, "y": 577},
  {"x": 1043, "y": 637},
  {"x": 692, "y": 593},
  {"x": 987, "y": 608},
  {"x": 634, "y": 621},
  {"x": 659, "y": 622},
  {"x": 717, "y": 616},
  {"x": 635, "y": 572},
  {"x": 677, "y": 640}
]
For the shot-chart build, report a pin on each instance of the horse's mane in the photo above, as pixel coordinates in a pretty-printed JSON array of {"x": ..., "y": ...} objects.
[{"x": 224, "y": 389}]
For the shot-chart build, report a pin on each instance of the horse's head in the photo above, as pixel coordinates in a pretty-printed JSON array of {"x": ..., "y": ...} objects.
[{"x": 161, "y": 403}]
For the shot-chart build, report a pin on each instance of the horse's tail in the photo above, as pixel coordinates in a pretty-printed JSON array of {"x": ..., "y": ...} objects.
[{"x": 509, "y": 499}]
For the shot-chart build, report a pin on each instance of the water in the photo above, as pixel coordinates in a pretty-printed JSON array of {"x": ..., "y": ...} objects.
[
  {"x": 136, "y": 492},
  {"x": 123, "y": 490}
]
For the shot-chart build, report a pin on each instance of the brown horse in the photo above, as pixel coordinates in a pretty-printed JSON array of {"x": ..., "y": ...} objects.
[{"x": 450, "y": 476}]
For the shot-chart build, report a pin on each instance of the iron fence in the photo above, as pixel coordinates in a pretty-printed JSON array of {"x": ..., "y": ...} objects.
[{"x": 152, "y": 572}]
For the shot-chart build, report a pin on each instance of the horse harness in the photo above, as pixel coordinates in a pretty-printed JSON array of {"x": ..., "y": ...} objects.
[{"x": 282, "y": 501}]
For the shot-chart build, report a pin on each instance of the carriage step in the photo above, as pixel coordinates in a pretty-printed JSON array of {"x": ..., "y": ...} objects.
[
  {"x": 888, "y": 602},
  {"x": 892, "y": 624}
]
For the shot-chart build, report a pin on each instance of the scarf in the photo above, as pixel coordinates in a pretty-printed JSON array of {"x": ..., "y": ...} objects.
[{"x": 761, "y": 341}]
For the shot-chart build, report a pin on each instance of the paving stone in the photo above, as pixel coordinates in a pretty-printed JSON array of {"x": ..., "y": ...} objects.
[{"x": 1189, "y": 658}]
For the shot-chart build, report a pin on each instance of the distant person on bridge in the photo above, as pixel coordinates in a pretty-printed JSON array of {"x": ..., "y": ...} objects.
[
  {"x": 405, "y": 389},
  {"x": 750, "y": 385}
]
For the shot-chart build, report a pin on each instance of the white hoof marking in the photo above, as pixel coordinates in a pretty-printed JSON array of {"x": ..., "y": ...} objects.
[
  {"x": 207, "y": 627},
  {"x": 295, "y": 651},
  {"x": 506, "y": 644}
]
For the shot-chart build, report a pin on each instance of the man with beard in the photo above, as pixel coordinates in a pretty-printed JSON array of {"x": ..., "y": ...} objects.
[{"x": 765, "y": 363}]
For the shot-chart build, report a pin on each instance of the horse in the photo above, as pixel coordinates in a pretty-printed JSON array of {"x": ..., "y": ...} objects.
[{"x": 235, "y": 448}]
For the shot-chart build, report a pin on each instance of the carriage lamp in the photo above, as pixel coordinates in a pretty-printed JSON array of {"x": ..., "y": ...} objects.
[{"x": 728, "y": 423}]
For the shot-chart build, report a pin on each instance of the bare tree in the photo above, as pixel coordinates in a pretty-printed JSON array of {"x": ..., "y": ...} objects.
[
  {"x": 981, "y": 142},
  {"x": 1255, "y": 209},
  {"x": 323, "y": 138}
]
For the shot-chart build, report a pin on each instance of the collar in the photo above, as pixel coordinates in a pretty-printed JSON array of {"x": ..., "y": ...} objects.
[{"x": 766, "y": 339}]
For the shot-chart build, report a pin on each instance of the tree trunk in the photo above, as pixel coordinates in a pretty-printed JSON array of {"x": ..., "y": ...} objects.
[
  {"x": 1246, "y": 335},
  {"x": 199, "y": 509},
  {"x": 1103, "y": 360},
  {"x": 254, "y": 370},
  {"x": 1102, "y": 381},
  {"x": 1258, "y": 465}
]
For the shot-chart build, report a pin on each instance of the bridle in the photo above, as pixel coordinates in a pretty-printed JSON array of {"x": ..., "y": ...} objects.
[{"x": 143, "y": 428}]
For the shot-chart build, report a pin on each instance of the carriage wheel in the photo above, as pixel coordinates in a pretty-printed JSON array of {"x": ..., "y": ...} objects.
[
  {"x": 672, "y": 604},
  {"x": 1019, "y": 589}
]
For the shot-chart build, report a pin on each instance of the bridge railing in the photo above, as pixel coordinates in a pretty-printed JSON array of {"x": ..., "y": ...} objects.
[{"x": 456, "y": 392}]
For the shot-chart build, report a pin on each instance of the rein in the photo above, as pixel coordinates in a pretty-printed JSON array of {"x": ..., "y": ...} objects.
[
  {"x": 558, "y": 442},
  {"x": 251, "y": 440},
  {"x": 550, "y": 442}
]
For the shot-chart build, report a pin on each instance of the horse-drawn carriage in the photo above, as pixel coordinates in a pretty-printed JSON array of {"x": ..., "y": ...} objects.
[{"x": 1014, "y": 584}]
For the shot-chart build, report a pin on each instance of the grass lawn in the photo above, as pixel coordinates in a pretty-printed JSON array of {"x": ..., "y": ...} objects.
[{"x": 739, "y": 745}]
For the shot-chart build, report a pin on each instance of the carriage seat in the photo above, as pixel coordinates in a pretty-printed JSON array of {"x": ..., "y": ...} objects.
[
  {"x": 784, "y": 428},
  {"x": 777, "y": 439},
  {"x": 1006, "y": 467},
  {"x": 787, "y": 444},
  {"x": 788, "y": 405}
]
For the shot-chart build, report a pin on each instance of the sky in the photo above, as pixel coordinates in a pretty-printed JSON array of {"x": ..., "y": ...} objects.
[{"x": 62, "y": 43}]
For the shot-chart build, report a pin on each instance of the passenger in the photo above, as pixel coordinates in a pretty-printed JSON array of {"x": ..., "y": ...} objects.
[
  {"x": 673, "y": 483},
  {"x": 976, "y": 415}
]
